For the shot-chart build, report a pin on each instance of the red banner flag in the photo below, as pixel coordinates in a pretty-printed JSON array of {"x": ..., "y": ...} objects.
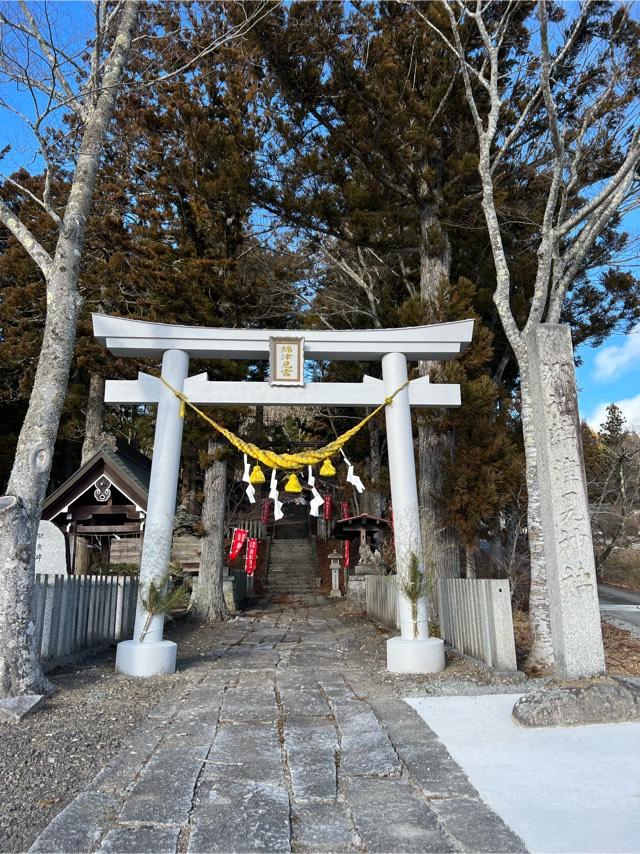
[
  {"x": 344, "y": 507},
  {"x": 327, "y": 510},
  {"x": 251, "y": 560},
  {"x": 266, "y": 511},
  {"x": 239, "y": 536},
  {"x": 347, "y": 553}
]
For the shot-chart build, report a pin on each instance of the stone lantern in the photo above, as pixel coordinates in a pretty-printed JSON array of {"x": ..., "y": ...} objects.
[{"x": 334, "y": 561}]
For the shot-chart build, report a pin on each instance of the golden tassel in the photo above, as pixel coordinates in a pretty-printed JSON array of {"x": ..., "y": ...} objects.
[
  {"x": 293, "y": 484},
  {"x": 328, "y": 469},
  {"x": 257, "y": 475}
]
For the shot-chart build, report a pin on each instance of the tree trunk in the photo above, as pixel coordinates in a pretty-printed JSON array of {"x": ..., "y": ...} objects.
[
  {"x": 20, "y": 671},
  {"x": 541, "y": 653},
  {"x": 94, "y": 424},
  {"x": 439, "y": 540},
  {"x": 82, "y": 555},
  {"x": 93, "y": 438},
  {"x": 470, "y": 568},
  {"x": 373, "y": 496},
  {"x": 207, "y": 601},
  {"x": 188, "y": 497}
]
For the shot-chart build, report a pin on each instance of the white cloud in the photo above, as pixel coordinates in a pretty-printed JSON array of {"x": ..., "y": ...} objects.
[
  {"x": 610, "y": 362},
  {"x": 630, "y": 407}
]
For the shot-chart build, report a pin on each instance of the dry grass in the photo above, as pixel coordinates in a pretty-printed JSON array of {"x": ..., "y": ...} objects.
[
  {"x": 522, "y": 633},
  {"x": 622, "y": 568},
  {"x": 622, "y": 651},
  {"x": 621, "y": 648}
]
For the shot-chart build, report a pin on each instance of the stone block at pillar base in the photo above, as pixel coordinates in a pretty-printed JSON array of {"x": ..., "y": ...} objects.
[
  {"x": 357, "y": 592},
  {"x": 365, "y": 569},
  {"x": 415, "y": 656},
  {"x": 146, "y": 659},
  {"x": 229, "y": 594},
  {"x": 335, "y": 594}
]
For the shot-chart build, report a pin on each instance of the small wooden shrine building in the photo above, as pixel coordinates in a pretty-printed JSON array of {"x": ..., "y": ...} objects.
[
  {"x": 359, "y": 527},
  {"x": 102, "y": 507}
]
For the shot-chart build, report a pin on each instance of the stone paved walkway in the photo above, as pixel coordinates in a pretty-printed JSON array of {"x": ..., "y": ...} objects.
[{"x": 285, "y": 741}]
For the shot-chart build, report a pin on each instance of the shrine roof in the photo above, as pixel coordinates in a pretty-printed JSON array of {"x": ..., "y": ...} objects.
[
  {"x": 126, "y": 468},
  {"x": 361, "y": 522}
]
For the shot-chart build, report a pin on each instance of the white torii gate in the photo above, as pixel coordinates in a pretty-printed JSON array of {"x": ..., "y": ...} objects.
[{"x": 175, "y": 344}]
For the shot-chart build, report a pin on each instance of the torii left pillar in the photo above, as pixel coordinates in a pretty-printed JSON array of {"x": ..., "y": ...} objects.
[{"x": 154, "y": 656}]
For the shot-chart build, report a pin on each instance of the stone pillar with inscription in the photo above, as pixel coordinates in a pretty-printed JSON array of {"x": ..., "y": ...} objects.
[{"x": 571, "y": 575}]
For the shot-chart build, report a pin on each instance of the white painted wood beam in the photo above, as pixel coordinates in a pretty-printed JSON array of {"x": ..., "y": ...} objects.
[
  {"x": 125, "y": 337},
  {"x": 146, "y": 389}
]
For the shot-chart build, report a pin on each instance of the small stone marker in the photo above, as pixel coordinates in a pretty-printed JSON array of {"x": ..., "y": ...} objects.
[
  {"x": 51, "y": 550},
  {"x": 334, "y": 559},
  {"x": 13, "y": 709}
]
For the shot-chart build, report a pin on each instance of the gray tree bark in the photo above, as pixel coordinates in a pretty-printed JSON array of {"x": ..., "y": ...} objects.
[
  {"x": 433, "y": 447},
  {"x": 94, "y": 422},
  {"x": 20, "y": 670},
  {"x": 373, "y": 496},
  {"x": 541, "y": 653},
  {"x": 207, "y": 600}
]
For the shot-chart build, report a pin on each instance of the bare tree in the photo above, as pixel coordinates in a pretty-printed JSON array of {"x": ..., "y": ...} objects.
[
  {"x": 72, "y": 83},
  {"x": 58, "y": 80},
  {"x": 554, "y": 96}
]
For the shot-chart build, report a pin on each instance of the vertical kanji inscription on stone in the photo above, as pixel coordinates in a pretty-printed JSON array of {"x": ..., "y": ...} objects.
[{"x": 571, "y": 576}]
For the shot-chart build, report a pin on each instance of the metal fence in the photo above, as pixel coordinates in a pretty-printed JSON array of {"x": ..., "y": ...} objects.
[
  {"x": 76, "y": 614},
  {"x": 475, "y": 617}
]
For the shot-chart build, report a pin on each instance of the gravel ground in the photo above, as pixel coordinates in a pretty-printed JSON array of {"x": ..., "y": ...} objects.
[
  {"x": 461, "y": 676},
  {"x": 51, "y": 755}
]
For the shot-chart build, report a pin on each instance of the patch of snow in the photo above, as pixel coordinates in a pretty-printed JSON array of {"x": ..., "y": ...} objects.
[{"x": 565, "y": 789}]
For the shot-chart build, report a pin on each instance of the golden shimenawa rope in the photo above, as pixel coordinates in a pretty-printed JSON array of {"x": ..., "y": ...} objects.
[{"x": 287, "y": 462}]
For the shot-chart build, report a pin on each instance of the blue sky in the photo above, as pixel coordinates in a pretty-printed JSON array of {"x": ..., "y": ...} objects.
[{"x": 610, "y": 373}]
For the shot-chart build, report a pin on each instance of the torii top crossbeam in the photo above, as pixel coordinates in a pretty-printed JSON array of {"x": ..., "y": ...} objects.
[{"x": 124, "y": 337}]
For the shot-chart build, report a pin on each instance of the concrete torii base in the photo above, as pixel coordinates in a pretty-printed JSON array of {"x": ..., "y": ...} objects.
[
  {"x": 405, "y": 655},
  {"x": 151, "y": 658}
]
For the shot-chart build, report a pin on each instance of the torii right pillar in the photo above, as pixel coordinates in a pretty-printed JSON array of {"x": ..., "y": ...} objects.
[
  {"x": 571, "y": 576},
  {"x": 414, "y": 651}
]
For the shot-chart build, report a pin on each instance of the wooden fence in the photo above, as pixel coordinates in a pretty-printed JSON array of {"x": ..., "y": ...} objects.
[
  {"x": 381, "y": 594},
  {"x": 255, "y": 527},
  {"x": 80, "y": 613}
]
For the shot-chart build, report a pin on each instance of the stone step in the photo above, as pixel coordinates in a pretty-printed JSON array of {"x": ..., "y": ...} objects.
[
  {"x": 294, "y": 566},
  {"x": 292, "y": 569},
  {"x": 285, "y": 563},
  {"x": 296, "y": 551},
  {"x": 290, "y": 582}
]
